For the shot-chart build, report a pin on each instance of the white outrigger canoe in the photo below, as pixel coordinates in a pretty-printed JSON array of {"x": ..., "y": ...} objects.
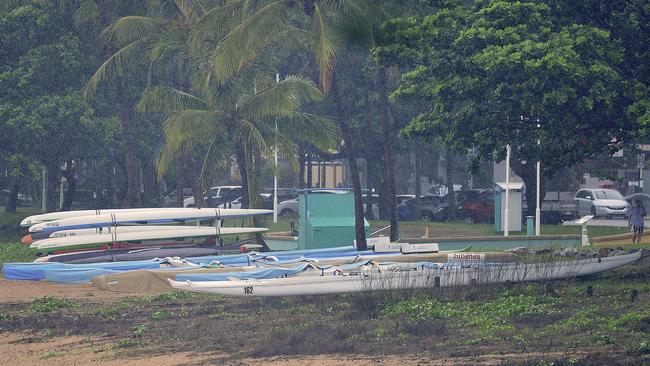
[
  {"x": 58, "y": 215},
  {"x": 315, "y": 283},
  {"x": 145, "y": 217},
  {"x": 119, "y": 236}
]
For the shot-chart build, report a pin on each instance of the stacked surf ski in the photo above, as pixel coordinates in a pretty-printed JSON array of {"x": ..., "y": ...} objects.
[{"x": 131, "y": 234}]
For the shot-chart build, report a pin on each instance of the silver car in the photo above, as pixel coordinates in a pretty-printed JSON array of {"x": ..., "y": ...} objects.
[{"x": 601, "y": 202}]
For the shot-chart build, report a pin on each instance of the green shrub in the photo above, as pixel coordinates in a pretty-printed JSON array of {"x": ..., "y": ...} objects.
[{"x": 15, "y": 252}]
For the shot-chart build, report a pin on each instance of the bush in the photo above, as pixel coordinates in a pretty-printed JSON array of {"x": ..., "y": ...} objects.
[{"x": 15, "y": 252}]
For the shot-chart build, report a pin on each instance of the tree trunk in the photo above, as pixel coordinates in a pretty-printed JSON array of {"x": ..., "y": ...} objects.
[
  {"x": 354, "y": 170},
  {"x": 132, "y": 194},
  {"x": 179, "y": 179},
  {"x": 301, "y": 169},
  {"x": 418, "y": 188},
  {"x": 309, "y": 171},
  {"x": 528, "y": 173},
  {"x": 198, "y": 193},
  {"x": 451, "y": 196},
  {"x": 389, "y": 157},
  {"x": 256, "y": 187},
  {"x": 52, "y": 180},
  {"x": 69, "y": 174},
  {"x": 12, "y": 201},
  {"x": 370, "y": 184},
  {"x": 149, "y": 182},
  {"x": 240, "y": 156}
]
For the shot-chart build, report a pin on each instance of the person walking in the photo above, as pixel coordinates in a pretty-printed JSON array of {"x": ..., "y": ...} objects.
[{"x": 635, "y": 220}]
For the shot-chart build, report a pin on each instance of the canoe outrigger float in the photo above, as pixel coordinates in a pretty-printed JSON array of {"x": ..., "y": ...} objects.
[{"x": 406, "y": 276}]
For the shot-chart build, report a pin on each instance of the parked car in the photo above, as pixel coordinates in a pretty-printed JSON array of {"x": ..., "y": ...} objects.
[
  {"x": 23, "y": 200},
  {"x": 401, "y": 198},
  {"x": 236, "y": 203},
  {"x": 219, "y": 195},
  {"x": 430, "y": 208},
  {"x": 290, "y": 207},
  {"x": 601, "y": 202},
  {"x": 476, "y": 205},
  {"x": 170, "y": 199}
]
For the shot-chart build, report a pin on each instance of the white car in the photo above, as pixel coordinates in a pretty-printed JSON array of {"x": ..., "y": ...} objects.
[
  {"x": 601, "y": 202},
  {"x": 290, "y": 207},
  {"x": 220, "y": 195}
]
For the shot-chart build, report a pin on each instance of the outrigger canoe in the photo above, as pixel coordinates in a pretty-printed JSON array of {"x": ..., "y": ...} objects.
[
  {"x": 96, "y": 240},
  {"x": 420, "y": 276},
  {"x": 146, "y": 217}
]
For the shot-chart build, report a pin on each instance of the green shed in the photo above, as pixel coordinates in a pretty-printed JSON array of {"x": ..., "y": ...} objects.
[{"x": 326, "y": 220}]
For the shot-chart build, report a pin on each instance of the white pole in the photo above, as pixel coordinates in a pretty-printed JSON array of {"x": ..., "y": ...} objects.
[
  {"x": 61, "y": 195},
  {"x": 275, "y": 174},
  {"x": 538, "y": 211},
  {"x": 506, "y": 220},
  {"x": 44, "y": 192},
  {"x": 538, "y": 206}
]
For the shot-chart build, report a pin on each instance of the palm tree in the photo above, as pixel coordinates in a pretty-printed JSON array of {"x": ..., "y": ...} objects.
[
  {"x": 155, "y": 42},
  {"x": 242, "y": 29},
  {"x": 228, "y": 114}
]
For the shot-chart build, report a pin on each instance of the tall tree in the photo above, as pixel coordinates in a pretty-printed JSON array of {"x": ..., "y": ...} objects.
[{"x": 496, "y": 70}]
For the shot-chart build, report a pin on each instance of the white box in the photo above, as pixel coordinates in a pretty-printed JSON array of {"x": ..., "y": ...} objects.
[
  {"x": 388, "y": 247},
  {"x": 420, "y": 248}
]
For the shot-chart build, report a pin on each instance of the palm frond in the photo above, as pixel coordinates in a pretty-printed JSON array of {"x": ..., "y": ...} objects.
[
  {"x": 128, "y": 29},
  {"x": 191, "y": 127},
  {"x": 249, "y": 133},
  {"x": 163, "y": 99},
  {"x": 214, "y": 25},
  {"x": 118, "y": 64},
  {"x": 243, "y": 42},
  {"x": 325, "y": 48},
  {"x": 281, "y": 99},
  {"x": 86, "y": 13},
  {"x": 321, "y": 131},
  {"x": 169, "y": 47}
]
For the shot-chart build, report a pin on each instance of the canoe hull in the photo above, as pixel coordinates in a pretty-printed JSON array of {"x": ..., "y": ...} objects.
[{"x": 421, "y": 278}]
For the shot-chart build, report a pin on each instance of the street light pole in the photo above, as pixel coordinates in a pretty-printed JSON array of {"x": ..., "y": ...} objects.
[
  {"x": 538, "y": 210},
  {"x": 275, "y": 174},
  {"x": 506, "y": 219}
]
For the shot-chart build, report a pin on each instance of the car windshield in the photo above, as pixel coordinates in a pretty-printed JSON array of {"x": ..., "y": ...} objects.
[{"x": 608, "y": 194}]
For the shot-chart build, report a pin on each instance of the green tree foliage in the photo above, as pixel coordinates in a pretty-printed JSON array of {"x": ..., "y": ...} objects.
[
  {"x": 42, "y": 115},
  {"x": 495, "y": 71}
]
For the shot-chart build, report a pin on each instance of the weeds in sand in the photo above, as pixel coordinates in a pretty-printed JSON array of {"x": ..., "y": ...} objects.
[
  {"x": 161, "y": 314},
  {"x": 601, "y": 339},
  {"x": 51, "y": 354},
  {"x": 169, "y": 296},
  {"x": 107, "y": 313},
  {"x": 642, "y": 348},
  {"x": 139, "y": 330},
  {"x": 47, "y": 333},
  {"x": 126, "y": 343},
  {"x": 47, "y": 303}
]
